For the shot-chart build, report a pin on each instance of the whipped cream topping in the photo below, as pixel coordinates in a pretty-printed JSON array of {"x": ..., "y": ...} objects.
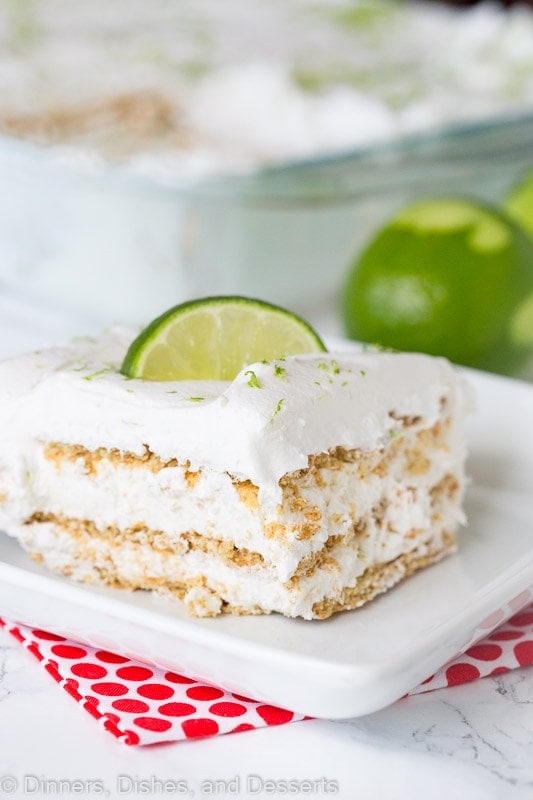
[{"x": 260, "y": 426}]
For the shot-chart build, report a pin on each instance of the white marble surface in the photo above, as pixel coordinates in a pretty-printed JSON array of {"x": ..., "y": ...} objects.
[{"x": 473, "y": 741}]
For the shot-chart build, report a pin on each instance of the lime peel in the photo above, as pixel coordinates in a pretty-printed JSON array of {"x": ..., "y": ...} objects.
[
  {"x": 522, "y": 323},
  {"x": 519, "y": 203},
  {"x": 486, "y": 233}
]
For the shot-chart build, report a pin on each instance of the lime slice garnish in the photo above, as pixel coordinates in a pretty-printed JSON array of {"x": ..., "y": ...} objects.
[
  {"x": 445, "y": 276},
  {"x": 214, "y": 338}
]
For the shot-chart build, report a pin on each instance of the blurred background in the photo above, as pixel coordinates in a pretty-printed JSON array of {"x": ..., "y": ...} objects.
[{"x": 155, "y": 152}]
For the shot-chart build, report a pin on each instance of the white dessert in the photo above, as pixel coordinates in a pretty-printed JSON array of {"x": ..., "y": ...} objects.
[
  {"x": 305, "y": 486},
  {"x": 194, "y": 87}
]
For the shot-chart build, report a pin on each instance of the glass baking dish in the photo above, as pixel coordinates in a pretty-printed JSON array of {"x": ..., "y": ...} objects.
[{"x": 110, "y": 243}]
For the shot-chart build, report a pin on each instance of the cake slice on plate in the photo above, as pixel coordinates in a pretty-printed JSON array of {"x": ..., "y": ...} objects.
[{"x": 306, "y": 485}]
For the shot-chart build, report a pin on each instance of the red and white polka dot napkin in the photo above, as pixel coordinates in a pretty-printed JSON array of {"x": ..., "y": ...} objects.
[
  {"x": 141, "y": 704},
  {"x": 508, "y": 647}
]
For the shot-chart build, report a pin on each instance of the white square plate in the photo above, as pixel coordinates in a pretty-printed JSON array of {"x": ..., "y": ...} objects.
[{"x": 353, "y": 663}]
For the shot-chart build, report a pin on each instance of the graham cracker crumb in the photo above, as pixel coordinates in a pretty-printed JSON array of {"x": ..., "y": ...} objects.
[
  {"x": 227, "y": 551},
  {"x": 448, "y": 487},
  {"x": 201, "y": 601},
  {"x": 414, "y": 533},
  {"x": 192, "y": 478},
  {"x": 313, "y": 514},
  {"x": 275, "y": 530},
  {"x": 313, "y": 562},
  {"x": 381, "y": 469},
  {"x": 369, "y": 463},
  {"x": 307, "y": 530},
  {"x": 436, "y": 435},
  {"x": 249, "y": 493},
  {"x": 407, "y": 420},
  {"x": 416, "y": 463}
]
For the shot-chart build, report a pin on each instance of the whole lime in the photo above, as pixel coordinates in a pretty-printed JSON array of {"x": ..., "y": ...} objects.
[
  {"x": 519, "y": 203},
  {"x": 446, "y": 276}
]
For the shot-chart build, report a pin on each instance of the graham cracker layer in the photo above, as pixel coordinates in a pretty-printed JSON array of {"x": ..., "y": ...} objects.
[
  {"x": 209, "y": 601},
  {"x": 91, "y": 460},
  {"x": 298, "y": 516},
  {"x": 84, "y": 530},
  {"x": 132, "y": 119},
  {"x": 381, "y": 577},
  {"x": 336, "y": 533}
]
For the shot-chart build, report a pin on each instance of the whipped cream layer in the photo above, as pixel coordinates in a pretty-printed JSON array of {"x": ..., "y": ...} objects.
[{"x": 260, "y": 426}]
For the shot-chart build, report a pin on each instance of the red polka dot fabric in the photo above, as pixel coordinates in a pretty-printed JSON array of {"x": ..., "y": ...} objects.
[
  {"x": 141, "y": 704},
  {"x": 508, "y": 647}
]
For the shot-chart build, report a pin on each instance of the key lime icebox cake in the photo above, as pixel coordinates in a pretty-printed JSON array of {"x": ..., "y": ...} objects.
[{"x": 305, "y": 484}]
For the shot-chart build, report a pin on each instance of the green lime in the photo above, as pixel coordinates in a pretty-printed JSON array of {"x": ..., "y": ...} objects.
[
  {"x": 519, "y": 203},
  {"x": 214, "y": 338},
  {"x": 446, "y": 276}
]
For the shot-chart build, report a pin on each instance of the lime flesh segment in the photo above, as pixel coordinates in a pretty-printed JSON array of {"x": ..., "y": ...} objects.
[{"x": 214, "y": 338}]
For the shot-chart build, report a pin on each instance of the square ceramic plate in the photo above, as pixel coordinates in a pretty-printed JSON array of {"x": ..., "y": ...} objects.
[{"x": 353, "y": 663}]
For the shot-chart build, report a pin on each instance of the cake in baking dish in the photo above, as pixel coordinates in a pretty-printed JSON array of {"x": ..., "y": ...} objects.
[{"x": 305, "y": 486}]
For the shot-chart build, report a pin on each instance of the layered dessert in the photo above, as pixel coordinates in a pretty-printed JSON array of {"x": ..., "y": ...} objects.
[{"x": 305, "y": 486}]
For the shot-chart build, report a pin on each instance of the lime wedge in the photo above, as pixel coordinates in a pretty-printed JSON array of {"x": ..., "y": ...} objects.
[{"x": 214, "y": 338}]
